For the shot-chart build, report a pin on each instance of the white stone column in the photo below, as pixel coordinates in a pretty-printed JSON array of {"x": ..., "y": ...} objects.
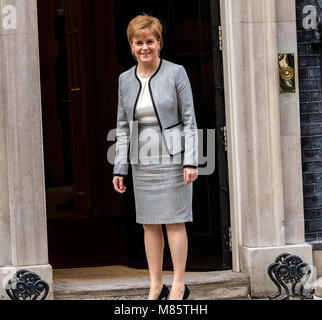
[
  {"x": 265, "y": 214},
  {"x": 263, "y": 222},
  {"x": 23, "y": 230}
]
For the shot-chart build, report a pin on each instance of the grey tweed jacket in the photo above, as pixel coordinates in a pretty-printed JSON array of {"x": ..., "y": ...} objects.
[{"x": 172, "y": 100}]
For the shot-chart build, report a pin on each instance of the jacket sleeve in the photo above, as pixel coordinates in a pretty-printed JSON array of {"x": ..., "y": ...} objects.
[
  {"x": 188, "y": 118},
  {"x": 121, "y": 163}
]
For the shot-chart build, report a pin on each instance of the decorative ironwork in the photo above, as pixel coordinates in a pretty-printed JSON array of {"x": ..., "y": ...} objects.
[
  {"x": 289, "y": 269},
  {"x": 26, "y": 285}
]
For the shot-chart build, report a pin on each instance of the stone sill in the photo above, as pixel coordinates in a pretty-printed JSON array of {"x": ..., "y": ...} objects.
[{"x": 203, "y": 286}]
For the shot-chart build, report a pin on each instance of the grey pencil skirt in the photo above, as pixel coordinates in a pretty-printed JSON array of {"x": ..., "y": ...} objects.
[{"x": 158, "y": 181}]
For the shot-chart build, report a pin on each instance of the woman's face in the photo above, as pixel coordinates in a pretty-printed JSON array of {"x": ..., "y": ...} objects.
[{"x": 146, "y": 48}]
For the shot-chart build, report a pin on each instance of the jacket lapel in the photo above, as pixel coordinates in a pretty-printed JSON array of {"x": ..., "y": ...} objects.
[{"x": 130, "y": 92}]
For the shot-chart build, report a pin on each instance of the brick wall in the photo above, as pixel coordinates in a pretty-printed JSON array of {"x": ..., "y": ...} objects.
[{"x": 311, "y": 125}]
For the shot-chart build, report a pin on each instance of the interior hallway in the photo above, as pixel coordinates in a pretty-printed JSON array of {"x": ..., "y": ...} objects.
[{"x": 78, "y": 240}]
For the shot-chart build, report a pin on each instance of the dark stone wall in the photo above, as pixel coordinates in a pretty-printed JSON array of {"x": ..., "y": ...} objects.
[{"x": 311, "y": 125}]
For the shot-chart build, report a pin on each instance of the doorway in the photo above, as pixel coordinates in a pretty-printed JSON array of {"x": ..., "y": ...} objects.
[{"x": 83, "y": 49}]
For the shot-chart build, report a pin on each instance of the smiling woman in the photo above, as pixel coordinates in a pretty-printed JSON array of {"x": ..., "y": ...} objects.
[{"x": 157, "y": 93}]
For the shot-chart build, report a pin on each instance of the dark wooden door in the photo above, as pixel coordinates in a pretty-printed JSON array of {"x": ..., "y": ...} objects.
[
  {"x": 191, "y": 38},
  {"x": 76, "y": 102}
]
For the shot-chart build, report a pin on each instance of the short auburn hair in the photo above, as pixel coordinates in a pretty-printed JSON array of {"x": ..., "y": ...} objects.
[{"x": 145, "y": 24}]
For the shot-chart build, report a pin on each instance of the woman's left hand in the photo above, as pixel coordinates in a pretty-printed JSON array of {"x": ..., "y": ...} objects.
[{"x": 190, "y": 175}]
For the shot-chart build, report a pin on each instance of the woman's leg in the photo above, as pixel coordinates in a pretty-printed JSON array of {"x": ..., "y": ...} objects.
[
  {"x": 154, "y": 246},
  {"x": 178, "y": 243}
]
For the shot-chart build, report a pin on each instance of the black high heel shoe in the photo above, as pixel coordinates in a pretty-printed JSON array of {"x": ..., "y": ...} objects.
[
  {"x": 186, "y": 293},
  {"x": 164, "y": 293}
]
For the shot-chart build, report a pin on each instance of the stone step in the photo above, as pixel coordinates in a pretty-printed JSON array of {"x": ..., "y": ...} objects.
[{"x": 223, "y": 285}]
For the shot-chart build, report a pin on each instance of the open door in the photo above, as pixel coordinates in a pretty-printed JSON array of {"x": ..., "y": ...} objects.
[
  {"x": 76, "y": 104},
  {"x": 191, "y": 37}
]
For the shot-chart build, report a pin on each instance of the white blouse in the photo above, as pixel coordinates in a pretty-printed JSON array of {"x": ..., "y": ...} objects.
[{"x": 144, "y": 112}]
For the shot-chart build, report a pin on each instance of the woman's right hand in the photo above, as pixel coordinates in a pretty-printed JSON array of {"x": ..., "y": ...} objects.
[{"x": 118, "y": 184}]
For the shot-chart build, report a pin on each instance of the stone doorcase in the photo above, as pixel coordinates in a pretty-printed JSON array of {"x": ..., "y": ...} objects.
[
  {"x": 264, "y": 138},
  {"x": 23, "y": 230}
]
